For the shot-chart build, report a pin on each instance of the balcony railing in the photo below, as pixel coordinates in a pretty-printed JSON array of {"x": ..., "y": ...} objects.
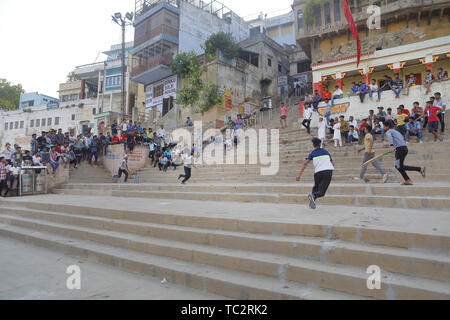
[{"x": 157, "y": 61}]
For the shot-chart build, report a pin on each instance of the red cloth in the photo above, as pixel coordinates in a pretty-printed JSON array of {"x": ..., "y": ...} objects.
[{"x": 353, "y": 29}]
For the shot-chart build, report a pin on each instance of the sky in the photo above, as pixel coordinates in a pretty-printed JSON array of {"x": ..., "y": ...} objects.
[{"x": 44, "y": 40}]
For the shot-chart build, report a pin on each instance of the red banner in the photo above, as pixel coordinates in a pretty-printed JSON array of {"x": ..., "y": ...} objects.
[{"x": 353, "y": 29}]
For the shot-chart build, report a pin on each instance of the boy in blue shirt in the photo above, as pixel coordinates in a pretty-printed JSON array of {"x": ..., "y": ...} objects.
[
  {"x": 323, "y": 168},
  {"x": 413, "y": 128}
]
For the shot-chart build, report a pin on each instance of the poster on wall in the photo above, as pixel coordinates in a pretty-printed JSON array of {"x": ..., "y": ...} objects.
[
  {"x": 166, "y": 89},
  {"x": 228, "y": 99}
]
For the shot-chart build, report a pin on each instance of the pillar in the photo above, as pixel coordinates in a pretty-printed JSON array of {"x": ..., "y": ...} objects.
[{"x": 83, "y": 90}]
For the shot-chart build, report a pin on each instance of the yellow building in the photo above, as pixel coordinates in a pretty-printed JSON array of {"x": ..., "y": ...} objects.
[{"x": 412, "y": 36}]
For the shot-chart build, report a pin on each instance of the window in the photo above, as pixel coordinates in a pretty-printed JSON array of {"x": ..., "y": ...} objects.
[
  {"x": 99, "y": 110},
  {"x": 158, "y": 90},
  {"x": 94, "y": 111},
  {"x": 6, "y": 125},
  {"x": 279, "y": 68},
  {"x": 73, "y": 117},
  {"x": 337, "y": 10},
  {"x": 327, "y": 13},
  {"x": 43, "y": 122},
  {"x": 49, "y": 121},
  {"x": 11, "y": 125},
  {"x": 16, "y": 125},
  {"x": 269, "y": 62},
  {"x": 56, "y": 121},
  {"x": 318, "y": 16},
  {"x": 300, "y": 19},
  {"x": 303, "y": 67},
  {"x": 38, "y": 123},
  {"x": 31, "y": 123},
  {"x": 22, "y": 123}
]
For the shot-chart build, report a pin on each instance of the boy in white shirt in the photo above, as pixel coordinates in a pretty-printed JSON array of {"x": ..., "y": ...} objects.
[
  {"x": 337, "y": 133},
  {"x": 322, "y": 130}
]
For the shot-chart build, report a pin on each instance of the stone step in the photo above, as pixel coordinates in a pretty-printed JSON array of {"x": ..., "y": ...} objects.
[
  {"x": 427, "y": 265},
  {"x": 347, "y": 279},
  {"x": 377, "y": 226},
  {"x": 368, "y": 189},
  {"x": 409, "y": 202},
  {"x": 231, "y": 284},
  {"x": 373, "y": 178}
]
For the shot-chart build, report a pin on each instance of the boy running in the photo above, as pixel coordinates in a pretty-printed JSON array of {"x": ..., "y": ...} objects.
[
  {"x": 398, "y": 146},
  {"x": 324, "y": 167},
  {"x": 369, "y": 154}
]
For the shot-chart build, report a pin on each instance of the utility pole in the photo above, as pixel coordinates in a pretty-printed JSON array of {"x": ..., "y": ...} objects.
[{"x": 117, "y": 18}]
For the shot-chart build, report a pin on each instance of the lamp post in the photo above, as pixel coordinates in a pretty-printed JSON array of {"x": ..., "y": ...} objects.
[{"x": 123, "y": 22}]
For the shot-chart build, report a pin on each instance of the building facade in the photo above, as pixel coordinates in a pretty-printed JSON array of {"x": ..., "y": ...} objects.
[
  {"x": 164, "y": 28},
  {"x": 29, "y": 100},
  {"x": 412, "y": 37}
]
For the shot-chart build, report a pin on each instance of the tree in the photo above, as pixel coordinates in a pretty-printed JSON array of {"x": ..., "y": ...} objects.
[
  {"x": 71, "y": 76},
  {"x": 194, "y": 91},
  {"x": 224, "y": 42},
  {"x": 10, "y": 95}
]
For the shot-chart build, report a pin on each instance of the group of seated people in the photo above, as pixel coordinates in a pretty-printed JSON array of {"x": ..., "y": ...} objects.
[
  {"x": 408, "y": 122},
  {"x": 360, "y": 89}
]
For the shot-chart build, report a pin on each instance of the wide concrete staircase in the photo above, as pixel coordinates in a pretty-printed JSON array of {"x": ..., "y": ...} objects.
[{"x": 235, "y": 233}]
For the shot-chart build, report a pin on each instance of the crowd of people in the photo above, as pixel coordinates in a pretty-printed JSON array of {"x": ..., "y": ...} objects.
[{"x": 409, "y": 123}]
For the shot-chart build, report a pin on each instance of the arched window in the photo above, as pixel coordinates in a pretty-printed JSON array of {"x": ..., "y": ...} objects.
[{"x": 300, "y": 19}]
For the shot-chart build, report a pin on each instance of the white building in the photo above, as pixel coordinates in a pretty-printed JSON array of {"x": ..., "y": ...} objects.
[{"x": 18, "y": 126}]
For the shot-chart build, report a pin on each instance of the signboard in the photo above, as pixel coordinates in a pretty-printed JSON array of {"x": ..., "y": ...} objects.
[
  {"x": 228, "y": 99},
  {"x": 303, "y": 78},
  {"x": 247, "y": 108},
  {"x": 335, "y": 109},
  {"x": 169, "y": 90}
]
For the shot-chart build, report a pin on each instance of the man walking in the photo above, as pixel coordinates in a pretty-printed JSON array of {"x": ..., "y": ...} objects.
[
  {"x": 283, "y": 116},
  {"x": 398, "y": 146},
  {"x": 324, "y": 167},
  {"x": 307, "y": 118},
  {"x": 369, "y": 154}
]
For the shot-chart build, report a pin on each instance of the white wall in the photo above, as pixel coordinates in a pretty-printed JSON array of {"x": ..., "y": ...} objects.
[
  {"x": 41, "y": 112},
  {"x": 197, "y": 25}
]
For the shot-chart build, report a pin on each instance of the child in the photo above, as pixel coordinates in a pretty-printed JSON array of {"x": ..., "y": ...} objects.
[
  {"x": 398, "y": 146},
  {"x": 413, "y": 128},
  {"x": 324, "y": 167},
  {"x": 322, "y": 131},
  {"x": 337, "y": 133},
  {"x": 429, "y": 78},
  {"x": 369, "y": 154},
  {"x": 411, "y": 82},
  {"x": 433, "y": 121},
  {"x": 353, "y": 135}
]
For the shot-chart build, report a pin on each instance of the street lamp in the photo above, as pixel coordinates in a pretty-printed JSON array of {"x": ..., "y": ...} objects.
[{"x": 128, "y": 21}]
